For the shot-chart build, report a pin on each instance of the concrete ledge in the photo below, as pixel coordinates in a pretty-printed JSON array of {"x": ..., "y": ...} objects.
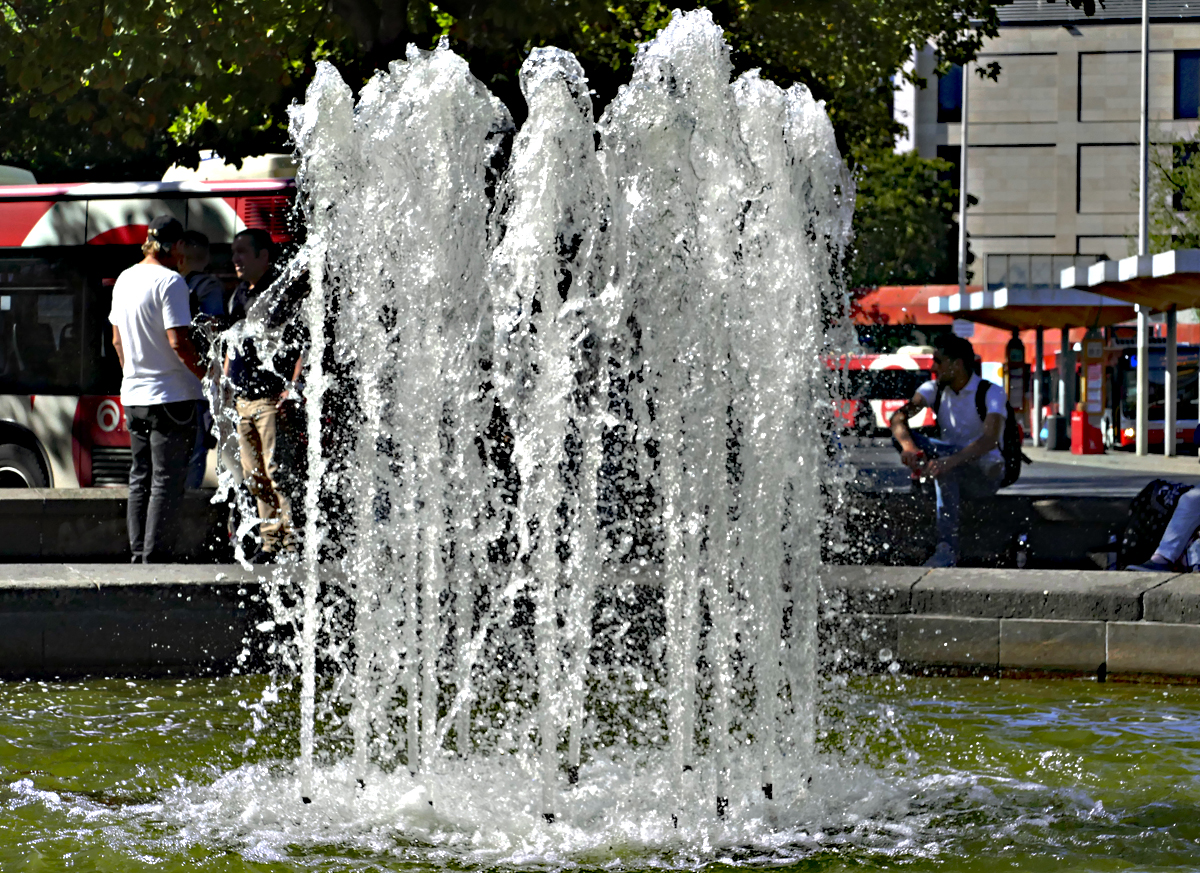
[
  {"x": 872, "y": 641},
  {"x": 1154, "y": 647},
  {"x": 1062, "y": 532},
  {"x": 70, "y": 619},
  {"x": 1042, "y": 620},
  {"x": 877, "y": 590},
  {"x": 63, "y": 619},
  {"x": 1038, "y": 644},
  {"x": 88, "y": 524},
  {"x": 1177, "y": 600},
  {"x": 944, "y": 640},
  {"x": 1075, "y": 595}
]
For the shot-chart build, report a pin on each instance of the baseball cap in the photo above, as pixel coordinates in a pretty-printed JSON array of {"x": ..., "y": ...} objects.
[{"x": 165, "y": 229}]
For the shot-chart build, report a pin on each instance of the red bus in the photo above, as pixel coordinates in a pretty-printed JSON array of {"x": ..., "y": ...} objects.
[
  {"x": 61, "y": 250},
  {"x": 1120, "y": 419},
  {"x": 878, "y": 384}
]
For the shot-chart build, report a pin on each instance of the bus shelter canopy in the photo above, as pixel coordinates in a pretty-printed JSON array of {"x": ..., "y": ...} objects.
[
  {"x": 1155, "y": 281},
  {"x": 1030, "y": 308}
]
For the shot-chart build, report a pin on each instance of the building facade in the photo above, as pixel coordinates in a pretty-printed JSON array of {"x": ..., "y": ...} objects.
[{"x": 1053, "y": 143}]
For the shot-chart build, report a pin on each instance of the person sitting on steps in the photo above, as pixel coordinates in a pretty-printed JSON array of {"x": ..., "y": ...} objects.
[
  {"x": 1172, "y": 554},
  {"x": 965, "y": 462}
]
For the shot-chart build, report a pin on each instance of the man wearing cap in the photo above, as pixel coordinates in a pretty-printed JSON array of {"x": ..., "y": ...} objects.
[{"x": 160, "y": 385}]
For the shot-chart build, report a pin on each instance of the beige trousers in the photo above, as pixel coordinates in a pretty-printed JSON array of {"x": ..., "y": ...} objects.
[{"x": 258, "y": 436}]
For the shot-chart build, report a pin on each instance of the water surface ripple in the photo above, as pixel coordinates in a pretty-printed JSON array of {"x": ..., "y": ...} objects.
[{"x": 919, "y": 774}]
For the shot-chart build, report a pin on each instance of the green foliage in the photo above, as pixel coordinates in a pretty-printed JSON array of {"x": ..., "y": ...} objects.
[
  {"x": 90, "y": 89},
  {"x": 122, "y": 88},
  {"x": 903, "y": 220},
  {"x": 846, "y": 53},
  {"x": 1174, "y": 196}
]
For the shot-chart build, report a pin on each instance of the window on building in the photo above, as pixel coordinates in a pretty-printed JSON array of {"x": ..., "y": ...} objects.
[
  {"x": 950, "y": 95},
  {"x": 1187, "y": 84}
]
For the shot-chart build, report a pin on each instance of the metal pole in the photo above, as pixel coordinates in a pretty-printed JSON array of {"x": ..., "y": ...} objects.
[
  {"x": 1142, "y": 438},
  {"x": 962, "y": 181},
  {"x": 1144, "y": 144},
  {"x": 1065, "y": 374},
  {"x": 1143, "y": 312},
  {"x": 1170, "y": 387},
  {"x": 1036, "y": 418}
]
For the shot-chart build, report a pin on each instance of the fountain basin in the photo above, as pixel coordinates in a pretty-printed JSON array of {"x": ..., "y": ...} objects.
[
  {"x": 918, "y": 774},
  {"x": 108, "y": 619}
]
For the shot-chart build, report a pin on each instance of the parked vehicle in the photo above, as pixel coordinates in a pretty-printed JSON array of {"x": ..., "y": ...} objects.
[
  {"x": 876, "y": 385},
  {"x": 61, "y": 250},
  {"x": 1120, "y": 418}
]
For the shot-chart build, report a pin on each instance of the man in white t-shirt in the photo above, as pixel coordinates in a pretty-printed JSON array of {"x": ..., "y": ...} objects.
[
  {"x": 966, "y": 461},
  {"x": 160, "y": 385}
]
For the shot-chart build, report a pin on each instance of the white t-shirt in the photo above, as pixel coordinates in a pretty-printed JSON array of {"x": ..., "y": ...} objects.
[
  {"x": 958, "y": 417},
  {"x": 148, "y": 299}
]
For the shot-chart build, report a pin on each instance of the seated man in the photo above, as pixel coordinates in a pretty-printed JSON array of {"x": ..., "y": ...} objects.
[{"x": 966, "y": 461}]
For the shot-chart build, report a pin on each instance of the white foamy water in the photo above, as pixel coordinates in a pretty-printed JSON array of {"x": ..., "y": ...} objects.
[
  {"x": 487, "y": 815},
  {"x": 559, "y": 566}
]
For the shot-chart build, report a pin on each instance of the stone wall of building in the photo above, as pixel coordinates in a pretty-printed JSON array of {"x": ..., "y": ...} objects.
[{"x": 1053, "y": 143}]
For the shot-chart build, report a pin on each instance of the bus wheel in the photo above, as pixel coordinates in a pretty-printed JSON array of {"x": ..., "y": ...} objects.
[{"x": 19, "y": 468}]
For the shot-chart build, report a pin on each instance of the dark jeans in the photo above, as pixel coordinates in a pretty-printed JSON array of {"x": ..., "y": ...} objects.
[
  {"x": 198, "y": 461},
  {"x": 972, "y": 481},
  {"x": 161, "y": 438}
]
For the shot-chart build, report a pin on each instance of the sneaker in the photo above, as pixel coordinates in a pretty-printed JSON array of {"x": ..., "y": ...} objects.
[
  {"x": 943, "y": 556},
  {"x": 1152, "y": 566}
]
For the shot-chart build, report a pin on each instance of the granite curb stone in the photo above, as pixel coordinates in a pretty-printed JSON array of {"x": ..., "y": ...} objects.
[
  {"x": 1153, "y": 647},
  {"x": 1176, "y": 601},
  {"x": 948, "y": 640},
  {"x": 1041, "y": 644},
  {"x": 1075, "y": 595}
]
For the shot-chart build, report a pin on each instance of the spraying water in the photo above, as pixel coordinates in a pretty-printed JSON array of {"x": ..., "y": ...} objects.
[{"x": 565, "y": 544}]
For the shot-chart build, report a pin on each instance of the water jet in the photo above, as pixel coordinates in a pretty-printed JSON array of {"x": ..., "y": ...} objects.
[
  {"x": 584, "y": 363},
  {"x": 557, "y": 604}
]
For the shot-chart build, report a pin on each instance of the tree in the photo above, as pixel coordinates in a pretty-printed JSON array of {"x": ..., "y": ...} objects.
[
  {"x": 94, "y": 89},
  {"x": 904, "y": 221},
  {"x": 102, "y": 90},
  {"x": 1174, "y": 191},
  {"x": 846, "y": 53}
]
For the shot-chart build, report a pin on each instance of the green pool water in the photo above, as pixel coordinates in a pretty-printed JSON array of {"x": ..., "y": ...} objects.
[{"x": 915, "y": 774}]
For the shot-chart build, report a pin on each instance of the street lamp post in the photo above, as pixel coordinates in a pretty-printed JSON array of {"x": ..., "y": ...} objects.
[
  {"x": 1143, "y": 311},
  {"x": 962, "y": 181}
]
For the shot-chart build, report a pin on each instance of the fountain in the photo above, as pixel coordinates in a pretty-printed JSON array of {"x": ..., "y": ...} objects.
[
  {"x": 556, "y": 604},
  {"x": 579, "y": 374}
]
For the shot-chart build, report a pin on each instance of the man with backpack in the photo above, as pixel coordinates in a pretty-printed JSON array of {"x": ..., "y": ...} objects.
[{"x": 965, "y": 462}]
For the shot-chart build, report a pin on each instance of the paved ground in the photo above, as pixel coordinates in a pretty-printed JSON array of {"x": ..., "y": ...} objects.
[{"x": 1060, "y": 474}]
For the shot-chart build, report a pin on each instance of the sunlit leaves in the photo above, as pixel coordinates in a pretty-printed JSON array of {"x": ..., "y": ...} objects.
[
  {"x": 1174, "y": 196},
  {"x": 902, "y": 220},
  {"x": 81, "y": 81}
]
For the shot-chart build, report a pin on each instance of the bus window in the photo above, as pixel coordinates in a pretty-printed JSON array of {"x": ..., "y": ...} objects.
[
  {"x": 889, "y": 384},
  {"x": 1189, "y": 388},
  {"x": 39, "y": 327}
]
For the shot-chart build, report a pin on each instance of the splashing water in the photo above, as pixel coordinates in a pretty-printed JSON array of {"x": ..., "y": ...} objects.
[{"x": 560, "y": 548}]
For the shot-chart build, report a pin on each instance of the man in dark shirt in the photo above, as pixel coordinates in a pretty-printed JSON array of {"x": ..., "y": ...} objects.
[
  {"x": 207, "y": 302},
  {"x": 260, "y": 392}
]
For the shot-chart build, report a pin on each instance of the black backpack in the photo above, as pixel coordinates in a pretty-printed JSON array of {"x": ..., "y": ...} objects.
[
  {"x": 1010, "y": 439},
  {"x": 1149, "y": 514}
]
